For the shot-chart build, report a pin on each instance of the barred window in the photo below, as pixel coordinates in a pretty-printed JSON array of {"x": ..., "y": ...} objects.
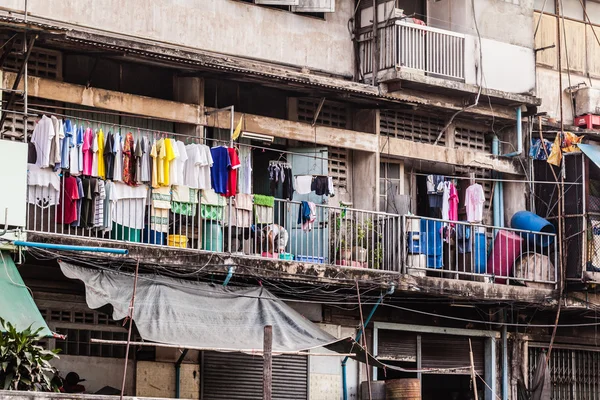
[
  {"x": 332, "y": 114},
  {"x": 338, "y": 166},
  {"x": 411, "y": 126}
]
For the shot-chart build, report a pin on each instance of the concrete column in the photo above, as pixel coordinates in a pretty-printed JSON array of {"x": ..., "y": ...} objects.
[
  {"x": 365, "y": 167},
  {"x": 189, "y": 89}
]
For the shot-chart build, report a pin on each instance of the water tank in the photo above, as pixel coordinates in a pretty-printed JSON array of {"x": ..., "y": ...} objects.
[
  {"x": 403, "y": 389},
  {"x": 587, "y": 101}
]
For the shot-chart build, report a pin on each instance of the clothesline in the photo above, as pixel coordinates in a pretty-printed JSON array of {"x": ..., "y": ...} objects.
[
  {"x": 127, "y": 127},
  {"x": 497, "y": 179}
]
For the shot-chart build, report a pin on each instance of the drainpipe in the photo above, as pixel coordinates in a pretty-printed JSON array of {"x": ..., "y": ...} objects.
[
  {"x": 497, "y": 194},
  {"x": 358, "y": 336},
  {"x": 178, "y": 374},
  {"x": 519, "y": 136},
  {"x": 65, "y": 247},
  {"x": 504, "y": 363}
]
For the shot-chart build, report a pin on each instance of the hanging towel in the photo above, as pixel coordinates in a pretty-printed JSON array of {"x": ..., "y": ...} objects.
[
  {"x": 304, "y": 212},
  {"x": 303, "y": 184},
  {"x": 262, "y": 200},
  {"x": 308, "y": 224},
  {"x": 242, "y": 213}
]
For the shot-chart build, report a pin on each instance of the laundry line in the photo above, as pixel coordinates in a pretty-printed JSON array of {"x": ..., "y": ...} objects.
[
  {"x": 495, "y": 179},
  {"x": 182, "y": 135}
]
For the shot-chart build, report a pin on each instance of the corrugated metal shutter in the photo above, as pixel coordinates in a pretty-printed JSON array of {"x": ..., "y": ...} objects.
[
  {"x": 449, "y": 351},
  {"x": 239, "y": 376},
  {"x": 397, "y": 345}
]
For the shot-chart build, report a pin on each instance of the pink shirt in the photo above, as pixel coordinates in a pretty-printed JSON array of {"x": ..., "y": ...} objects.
[
  {"x": 88, "y": 151},
  {"x": 453, "y": 203}
]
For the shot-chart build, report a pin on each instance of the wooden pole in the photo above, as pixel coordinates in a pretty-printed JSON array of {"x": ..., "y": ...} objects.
[
  {"x": 473, "y": 375},
  {"x": 268, "y": 363},
  {"x": 130, "y": 316},
  {"x": 364, "y": 340}
]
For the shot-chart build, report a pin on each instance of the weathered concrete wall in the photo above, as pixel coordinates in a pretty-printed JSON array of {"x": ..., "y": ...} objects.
[
  {"x": 98, "y": 371},
  {"x": 223, "y": 26},
  {"x": 326, "y": 372},
  {"x": 505, "y": 66},
  {"x": 457, "y": 16},
  {"x": 547, "y": 90}
]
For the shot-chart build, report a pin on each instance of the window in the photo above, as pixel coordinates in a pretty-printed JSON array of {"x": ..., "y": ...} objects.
[
  {"x": 411, "y": 126},
  {"x": 78, "y": 343},
  {"x": 389, "y": 183},
  {"x": 338, "y": 167},
  {"x": 309, "y": 8},
  {"x": 332, "y": 114},
  {"x": 573, "y": 372}
]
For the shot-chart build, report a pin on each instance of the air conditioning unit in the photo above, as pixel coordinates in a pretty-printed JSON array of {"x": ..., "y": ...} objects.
[{"x": 587, "y": 101}]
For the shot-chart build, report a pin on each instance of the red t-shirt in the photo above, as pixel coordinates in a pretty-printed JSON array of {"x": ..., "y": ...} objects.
[
  {"x": 232, "y": 180},
  {"x": 67, "y": 209}
]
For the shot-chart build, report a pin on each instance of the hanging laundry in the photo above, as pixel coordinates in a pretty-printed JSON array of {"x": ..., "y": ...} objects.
[
  {"x": 107, "y": 216},
  {"x": 109, "y": 156},
  {"x": 234, "y": 165},
  {"x": 128, "y": 210},
  {"x": 263, "y": 209},
  {"x": 320, "y": 185},
  {"x": 303, "y": 184},
  {"x": 81, "y": 194},
  {"x": 42, "y": 137},
  {"x": 67, "y": 144},
  {"x": 95, "y": 149},
  {"x": 43, "y": 186},
  {"x": 242, "y": 211},
  {"x": 88, "y": 201},
  {"x": 146, "y": 160},
  {"x": 178, "y": 165},
  {"x": 99, "y": 205},
  {"x": 159, "y": 211},
  {"x": 435, "y": 190},
  {"x": 540, "y": 149},
  {"x": 99, "y": 154},
  {"x": 55, "y": 148},
  {"x": 474, "y": 200},
  {"x": 168, "y": 155},
  {"x": 129, "y": 160},
  {"x": 67, "y": 207},
  {"x": 184, "y": 200},
  {"x": 245, "y": 171},
  {"x": 307, "y": 215},
  {"x": 211, "y": 205},
  {"x": 118, "y": 158},
  {"x": 330, "y": 186},
  {"x": 453, "y": 203},
  {"x": 220, "y": 169},
  {"x": 288, "y": 184},
  {"x": 155, "y": 162},
  {"x": 87, "y": 151},
  {"x": 138, "y": 154}
]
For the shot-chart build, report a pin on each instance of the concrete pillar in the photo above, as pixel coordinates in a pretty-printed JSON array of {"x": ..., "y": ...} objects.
[
  {"x": 365, "y": 167},
  {"x": 189, "y": 89}
]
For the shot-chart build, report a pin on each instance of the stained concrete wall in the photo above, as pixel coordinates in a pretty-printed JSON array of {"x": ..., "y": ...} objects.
[
  {"x": 223, "y": 26},
  {"x": 157, "y": 379},
  {"x": 548, "y": 91}
]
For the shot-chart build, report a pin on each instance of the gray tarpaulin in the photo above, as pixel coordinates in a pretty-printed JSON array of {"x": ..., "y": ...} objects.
[{"x": 194, "y": 314}]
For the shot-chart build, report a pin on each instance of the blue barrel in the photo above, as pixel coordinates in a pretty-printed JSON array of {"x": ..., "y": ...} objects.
[
  {"x": 529, "y": 221},
  {"x": 479, "y": 253},
  {"x": 431, "y": 242}
]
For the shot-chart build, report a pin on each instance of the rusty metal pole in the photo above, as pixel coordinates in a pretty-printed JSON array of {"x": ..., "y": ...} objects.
[
  {"x": 473, "y": 375},
  {"x": 375, "y": 44},
  {"x": 131, "y": 309},
  {"x": 268, "y": 363}
]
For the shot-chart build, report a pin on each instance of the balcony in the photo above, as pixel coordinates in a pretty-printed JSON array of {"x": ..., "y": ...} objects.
[
  {"x": 339, "y": 237},
  {"x": 417, "y": 49}
]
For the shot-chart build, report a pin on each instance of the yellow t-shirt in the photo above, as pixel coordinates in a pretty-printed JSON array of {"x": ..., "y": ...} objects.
[
  {"x": 169, "y": 155},
  {"x": 101, "y": 166},
  {"x": 154, "y": 155}
]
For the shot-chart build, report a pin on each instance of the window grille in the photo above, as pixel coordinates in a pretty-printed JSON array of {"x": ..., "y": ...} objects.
[
  {"x": 411, "y": 126},
  {"x": 338, "y": 166},
  {"x": 332, "y": 114},
  {"x": 44, "y": 63},
  {"x": 471, "y": 139}
]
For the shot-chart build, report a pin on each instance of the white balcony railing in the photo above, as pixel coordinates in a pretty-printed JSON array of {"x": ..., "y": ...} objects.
[{"x": 417, "y": 48}]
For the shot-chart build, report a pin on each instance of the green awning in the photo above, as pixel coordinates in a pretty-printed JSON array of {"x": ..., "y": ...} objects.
[{"x": 16, "y": 304}]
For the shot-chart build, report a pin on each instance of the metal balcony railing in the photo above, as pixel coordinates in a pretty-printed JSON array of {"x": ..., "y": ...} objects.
[
  {"x": 460, "y": 250},
  {"x": 417, "y": 48}
]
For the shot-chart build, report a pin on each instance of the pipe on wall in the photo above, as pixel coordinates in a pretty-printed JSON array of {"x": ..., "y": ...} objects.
[
  {"x": 65, "y": 247},
  {"x": 504, "y": 363}
]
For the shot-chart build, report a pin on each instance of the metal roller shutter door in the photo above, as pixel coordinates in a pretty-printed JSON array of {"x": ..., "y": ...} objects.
[
  {"x": 397, "y": 345},
  {"x": 449, "y": 351},
  {"x": 239, "y": 376}
]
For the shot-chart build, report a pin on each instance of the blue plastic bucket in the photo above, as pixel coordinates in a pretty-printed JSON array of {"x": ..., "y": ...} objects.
[{"x": 529, "y": 221}]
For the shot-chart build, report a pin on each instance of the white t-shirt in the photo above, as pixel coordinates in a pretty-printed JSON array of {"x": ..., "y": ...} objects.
[
  {"x": 303, "y": 183},
  {"x": 118, "y": 150},
  {"x": 174, "y": 165},
  {"x": 42, "y": 137},
  {"x": 180, "y": 163},
  {"x": 206, "y": 161},
  {"x": 192, "y": 166},
  {"x": 474, "y": 200},
  {"x": 95, "y": 154},
  {"x": 446, "y": 201}
]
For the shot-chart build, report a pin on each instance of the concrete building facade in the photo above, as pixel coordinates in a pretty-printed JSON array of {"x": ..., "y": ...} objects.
[{"x": 437, "y": 88}]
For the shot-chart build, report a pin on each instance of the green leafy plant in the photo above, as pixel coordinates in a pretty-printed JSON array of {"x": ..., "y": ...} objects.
[{"x": 24, "y": 365}]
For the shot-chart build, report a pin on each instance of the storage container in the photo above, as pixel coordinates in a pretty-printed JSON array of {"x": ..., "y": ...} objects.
[
  {"x": 121, "y": 232},
  {"x": 212, "y": 236},
  {"x": 154, "y": 237},
  {"x": 310, "y": 259},
  {"x": 507, "y": 247},
  {"x": 178, "y": 241},
  {"x": 529, "y": 221},
  {"x": 587, "y": 101},
  {"x": 286, "y": 256},
  {"x": 403, "y": 389}
]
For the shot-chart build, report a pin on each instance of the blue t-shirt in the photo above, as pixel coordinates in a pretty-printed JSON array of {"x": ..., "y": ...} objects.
[{"x": 219, "y": 172}]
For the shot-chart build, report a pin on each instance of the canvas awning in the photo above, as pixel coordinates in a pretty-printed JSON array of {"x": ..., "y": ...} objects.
[
  {"x": 16, "y": 304},
  {"x": 592, "y": 151},
  {"x": 195, "y": 314}
]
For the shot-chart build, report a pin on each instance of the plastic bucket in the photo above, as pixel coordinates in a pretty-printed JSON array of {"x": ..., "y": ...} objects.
[
  {"x": 529, "y": 221},
  {"x": 178, "y": 241}
]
